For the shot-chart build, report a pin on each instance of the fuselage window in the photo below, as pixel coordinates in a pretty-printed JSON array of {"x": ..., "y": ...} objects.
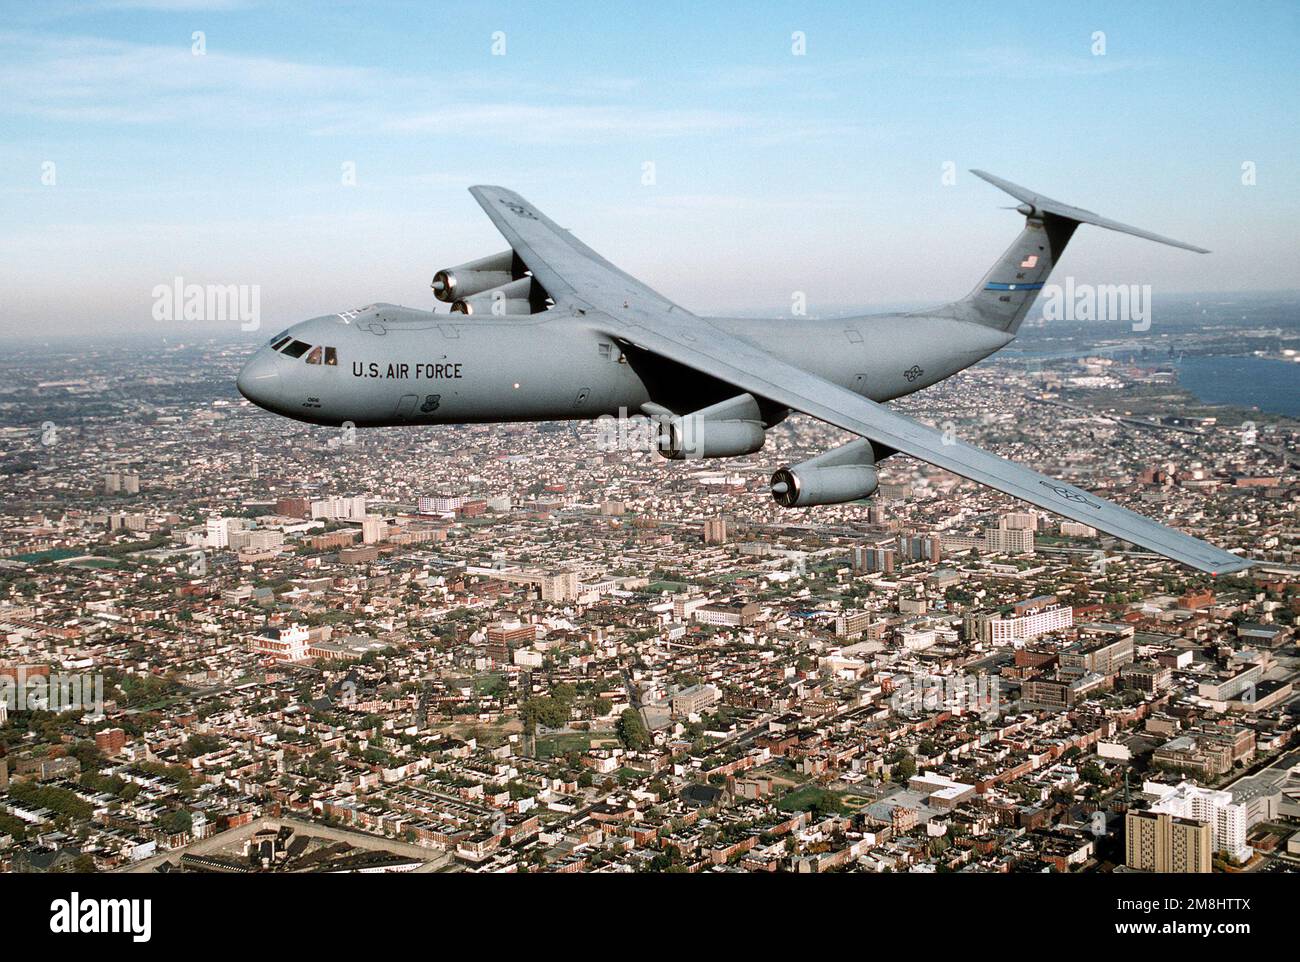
[
  {"x": 296, "y": 349},
  {"x": 331, "y": 357},
  {"x": 314, "y": 356}
]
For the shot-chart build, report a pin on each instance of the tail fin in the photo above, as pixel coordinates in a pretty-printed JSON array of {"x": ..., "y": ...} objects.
[{"x": 1008, "y": 290}]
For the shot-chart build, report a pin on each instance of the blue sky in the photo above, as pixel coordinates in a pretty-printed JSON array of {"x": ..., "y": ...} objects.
[{"x": 773, "y": 172}]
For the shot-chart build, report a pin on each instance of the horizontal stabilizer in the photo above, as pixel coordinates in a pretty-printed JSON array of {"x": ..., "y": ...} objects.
[{"x": 1046, "y": 205}]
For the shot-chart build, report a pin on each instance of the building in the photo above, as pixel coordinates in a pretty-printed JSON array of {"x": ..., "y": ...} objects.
[
  {"x": 360, "y": 555},
  {"x": 1200, "y": 753},
  {"x": 693, "y": 700},
  {"x": 850, "y": 624},
  {"x": 1233, "y": 685},
  {"x": 339, "y": 509},
  {"x": 1059, "y": 693},
  {"x": 1002, "y": 540},
  {"x": 110, "y": 741},
  {"x": 1160, "y": 842},
  {"x": 441, "y": 504},
  {"x": 715, "y": 531},
  {"x": 1025, "y": 623},
  {"x": 870, "y": 559},
  {"x": 293, "y": 508},
  {"x": 1104, "y": 657},
  {"x": 218, "y": 533},
  {"x": 915, "y": 547},
  {"x": 1150, "y": 678},
  {"x": 1020, "y": 520},
  {"x": 730, "y": 616},
  {"x": 373, "y": 529},
  {"x": 558, "y": 586},
  {"x": 505, "y": 636},
  {"x": 1074, "y": 529},
  {"x": 684, "y": 606},
  {"x": 1228, "y": 822},
  {"x": 282, "y": 644},
  {"x": 255, "y": 541}
]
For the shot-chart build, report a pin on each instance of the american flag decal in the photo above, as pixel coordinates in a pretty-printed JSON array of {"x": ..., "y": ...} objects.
[{"x": 1030, "y": 261}]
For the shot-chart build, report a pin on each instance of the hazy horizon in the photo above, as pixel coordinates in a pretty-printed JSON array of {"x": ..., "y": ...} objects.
[{"x": 774, "y": 171}]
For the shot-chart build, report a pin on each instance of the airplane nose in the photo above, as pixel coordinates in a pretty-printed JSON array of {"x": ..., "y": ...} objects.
[{"x": 259, "y": 381}]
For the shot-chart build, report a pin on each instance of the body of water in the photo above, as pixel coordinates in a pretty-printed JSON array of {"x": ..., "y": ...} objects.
[{"x": 1270, "y": 385}]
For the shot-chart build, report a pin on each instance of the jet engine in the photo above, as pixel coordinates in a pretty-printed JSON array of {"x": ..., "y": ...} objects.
[
  {"x": 512, "y": 298},
  {"x": 727, "y": 429},
  {"x": 846, "y": 473},
  {"x": 474, "y": 277}
]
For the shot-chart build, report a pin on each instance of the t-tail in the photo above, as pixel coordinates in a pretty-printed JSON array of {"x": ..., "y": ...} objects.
[{"x": 1008, "y": 290}]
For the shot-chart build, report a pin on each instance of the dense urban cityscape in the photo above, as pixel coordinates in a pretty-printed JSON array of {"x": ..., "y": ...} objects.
[{"x": 544, "y": 648}]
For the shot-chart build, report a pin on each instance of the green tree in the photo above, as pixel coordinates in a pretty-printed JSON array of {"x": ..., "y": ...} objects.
[{"x": 632, "y": 731}]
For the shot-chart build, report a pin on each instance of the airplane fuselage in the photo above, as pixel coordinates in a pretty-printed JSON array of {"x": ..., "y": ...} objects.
[{"x": 388, "y": 365}]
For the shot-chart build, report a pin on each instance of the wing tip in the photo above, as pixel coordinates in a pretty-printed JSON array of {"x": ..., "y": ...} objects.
[{"x": 1235, "y": 566}]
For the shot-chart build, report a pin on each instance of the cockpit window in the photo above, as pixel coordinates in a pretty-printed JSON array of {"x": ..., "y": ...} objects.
[
  {"x": 331, "y": 357},
  {"x": 314, "y": 356},
  {"x": 279, "y": 340},
  {"x": 296, "y": 349}
]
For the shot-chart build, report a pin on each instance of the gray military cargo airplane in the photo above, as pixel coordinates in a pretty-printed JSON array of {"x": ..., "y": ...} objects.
[{"x": 550, "y": 330}]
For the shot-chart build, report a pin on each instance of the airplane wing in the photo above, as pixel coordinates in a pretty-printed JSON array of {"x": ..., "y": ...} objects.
[{"x": 627, "y": 310}]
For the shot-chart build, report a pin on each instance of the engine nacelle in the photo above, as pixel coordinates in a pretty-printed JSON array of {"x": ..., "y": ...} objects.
[
  {"x": 512, "y": 298},
  {"x": 727, "y": 429},
  {"x": 474, "y": 277},
  {"x": 845, "y": 474}
]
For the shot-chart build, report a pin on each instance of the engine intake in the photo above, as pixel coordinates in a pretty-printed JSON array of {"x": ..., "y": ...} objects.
[
  {"x": 474, "y": 277},
  {"x": 727, "y": 429},
  {"x": 512, "y": 298},
  {"x": 846, "y": 473}
]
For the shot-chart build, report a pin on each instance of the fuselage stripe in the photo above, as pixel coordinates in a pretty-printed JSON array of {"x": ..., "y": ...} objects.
[{"x": 1014, "y": 287}]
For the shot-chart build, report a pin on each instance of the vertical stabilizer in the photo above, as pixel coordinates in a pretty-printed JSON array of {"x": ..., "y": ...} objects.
[{"x": 1008, "y": 290}]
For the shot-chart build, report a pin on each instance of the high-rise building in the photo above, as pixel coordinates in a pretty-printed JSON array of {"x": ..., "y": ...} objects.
[
  {"x": 218, "y": 533},
  {"x": 850, "y": 624},
  {"x": 1075, "y": 529},
  {"x": 1018, "y": 520},
  {"x": 869, "y": 558},
  {"x": 339, "y": 509},
  {"x": 1160, "y": 842},
  {"x": 915, "y": 547},
  {"x": 131, "y": 483},
  {"x": 559, "y": 586},
  {"x": 1009, "y": 540},
  {"x": 112, "y": 482},
  {"x": 1024, "y": 625},
  {"x": 441, "y": 504},
  {"x": 372, "y": 529},
  {"x": 715, "y": 531},
  {"x": 1228, "y": 822}
]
